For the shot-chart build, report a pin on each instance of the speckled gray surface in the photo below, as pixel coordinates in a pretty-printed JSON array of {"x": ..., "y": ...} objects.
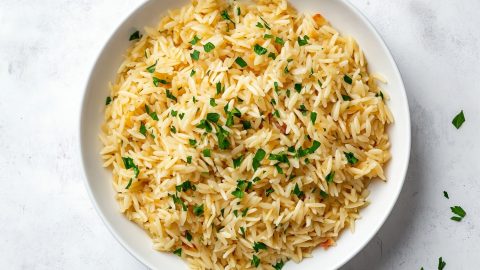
[{"x": 48, "y": 222}]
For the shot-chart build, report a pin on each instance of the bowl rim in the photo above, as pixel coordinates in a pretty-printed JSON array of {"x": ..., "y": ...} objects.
[{"x": 139, "y": 257}]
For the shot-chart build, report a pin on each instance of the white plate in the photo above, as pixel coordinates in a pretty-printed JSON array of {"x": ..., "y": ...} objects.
[{"x": 347, "y": 20}]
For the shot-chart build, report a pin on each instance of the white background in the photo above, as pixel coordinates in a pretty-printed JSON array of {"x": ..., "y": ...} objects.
[{"x": 48, "y": 222}]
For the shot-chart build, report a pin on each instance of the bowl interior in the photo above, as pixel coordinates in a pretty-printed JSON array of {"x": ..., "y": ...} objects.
[{"x": 348, "y": 21}]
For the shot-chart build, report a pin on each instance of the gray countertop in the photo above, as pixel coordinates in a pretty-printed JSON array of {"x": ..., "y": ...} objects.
[{"x": 48, "y": 222}]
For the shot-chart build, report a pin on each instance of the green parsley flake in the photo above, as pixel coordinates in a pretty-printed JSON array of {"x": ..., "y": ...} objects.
[
  {"x": 108, "y": 100},
  {"x": 259, "y": 25},
  {"x": 347, "y": 79},
  {"x": 135, "y": 35},
  {"x": 279, "y": 265},
  {"x": 323, "y": 194},
  {"x": 173, "y": 113},
  {"x": 192, "y": 142},
  {"x": 198, "y": 210},
  {"x": 351, "y": 158},
  {"x": 219, "y": 88},
  {"x": 445, "y": 194},
  {"x": 304, "y": 41},
  {"x": 313, "y": 117},
  {"x": 157, "y": 81},
  {"x": 268, "y": 191},
  {"x": 173, "y": 129},
  {"x": 212, "y": 102},
  {"x": 222, "y": 137},
  {"x": 154, "y": 116},
  {"x": 226, "y": 17},
  {"x": 192, "y": 72},
  {"x": 241, "y": 62},
  {"x": 298, "y": 192},
  {"x": 170, "y": 95},
  {"x": 267, "y": 36},
  {"x": 129, "y": 183},
  {"x": 441, "y": 263},
  {"x": 238, "y": 193},
  {"x": 195, "y": 55},
  {"x": 129, "y": 164},
  {"x": 151, "y": 69},
  {"x": 189, "y": 159},
  {"x": 188, "y": 236},
  {"x": 181, "y": 115},
  {"x": 255, "y": 261},
  {"x": 298, "y": 87},
  {"x": 207, "y": 153},
  {"x": 143, "y": 129},
  {"x": 330, "y": 177},
  {"x": 346, "y": 98},
  {"x": 458, "y": 120},
  {"x": 259, "y": 49},
  {"x": 246, "y": 124},
  {"x": 208, "y": 47},
  {"x": 281, "y": 157},
  {"x": 258, "y": 246},
  {"x": 237, "y": 162},
  {"x": 178, "y": 252},
  {"x": 279, "y": 40},
  {"x": 259, "y": 155},
  {"x": 213, "y": 117},
  {"x": 459, "y": 212},
  {"x": 265, "y": 24},
  {"x": 194, "y": 40}
]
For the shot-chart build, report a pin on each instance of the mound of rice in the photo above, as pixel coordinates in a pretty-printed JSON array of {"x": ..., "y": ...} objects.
[{"x": 244, "y": 135}]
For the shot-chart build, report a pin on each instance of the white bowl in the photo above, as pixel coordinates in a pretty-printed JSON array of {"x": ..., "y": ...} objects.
[{"x": 348, "y": 20}]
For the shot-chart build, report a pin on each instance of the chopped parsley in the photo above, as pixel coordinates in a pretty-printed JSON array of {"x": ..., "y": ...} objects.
[
  {"x": 304, "y": 41},
  {"x": 194, "y": 40},
  {"x": 259, "y": 49},
  {"x": 298, "y": 192},
  {"x": 108, "y": 100},
  {"x": 178, "y": 252},
  {"x": 243, "y": 231},
  {"x": 173, "y": 113},
  {"x": 185, "y": 186},
  {"x": 192, "y": 142},
  {"x": 288, "y": 93},
  {"x": 255, "y": 261},
  {"x": 177, "y": 200},
  {"x": 459, "y": 213},
  {"x": 281, "y": 157},
  {"x": 346, "y": 98},
  {"x": 241, "y": 62},
  {"x": 265, "y": 24},
  {"x": 208, "y": 47},
  {"x": 298, "y": 87},
  {"x": 238, "y": 11},
  {"x": 151, "y": 69},
  {"x": 157, "y": 81},
  {"x": 135, "y": 35},
  {"x": 244, "y": 212},
  {"x": 259, "y": 25},
  {"x": 330, "y": 177},
  {"x": 445, "y": 194},
  {"x": 303, "y": 152},
  {"x": 267, "y": 36},
  {"x": 323, "y": 194},
  {"x": 441, "y": 263},
  {"x": 259, "y": 155},
  {"x": 154, "y": 116},
  {"x": 213, "y": 117},
  {"x": 279, "y": 40},
  {"x": 181, "y": 115},
  {"x": 198, "y": 210},
  {"x": 212, "y": 102},
  {"x": 188, "y": 236},
  {"x": 238, "y": 193},
  {"x": 222, "y": 136},
  {"x": 303, "y": 109},
  {"x": 275, "y": 86},
  {"x": 276, "y": 113},
  {"x": 226, "y": 17},
  {"x": 195, "y": 55},
  {"x": 278, "y": 266},
  {"x": 246, "y": 124},
  {"x": 235, "y": 212},
  {"x": 278, "y": 168},
  {"x": 192, "y": 72},
  {"x": 204, "y": 124},
  {"x": 380, "y": 94},
  {"x": 458, "y": 120},
  {"x": 189, "y": 159},
  {"x": 219, "y": 88},
  {"x": 258, "y": 246},
  {"x": 351, "y": 158},
  {"x": 173, "y": 129},
  {"x": 129, "y": 183},
  {"x": 237, "y": 162},
  {"x": 272, "y": 55},
  {"x": 143, "y": 129},
  {"x": 207, "y": 153},
  {"x": 170, "y": 95},
  {"x": 129, "y": 164},
  {"x": 313, "y": 117},
  {"x": 268, "y": 191},
  {"x": 347, "y": 79}
]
